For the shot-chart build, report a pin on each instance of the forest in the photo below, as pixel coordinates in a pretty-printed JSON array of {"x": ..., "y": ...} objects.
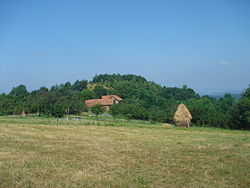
[{"x": 142, "y": 99}]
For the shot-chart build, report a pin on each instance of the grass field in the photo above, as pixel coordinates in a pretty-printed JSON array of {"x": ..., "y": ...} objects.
[{"x": 39, "y": 152}]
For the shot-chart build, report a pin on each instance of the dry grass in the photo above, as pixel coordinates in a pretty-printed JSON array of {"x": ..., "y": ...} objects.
[{"x": 35, "y": 154}]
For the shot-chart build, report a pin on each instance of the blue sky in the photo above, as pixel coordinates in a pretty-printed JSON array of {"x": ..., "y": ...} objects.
[{"x": 203, "y": 44}]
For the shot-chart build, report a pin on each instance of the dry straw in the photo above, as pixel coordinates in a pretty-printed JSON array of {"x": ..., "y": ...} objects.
[
  {"x": 182, "y": 116},
  {"x": 23, "y": 113}
]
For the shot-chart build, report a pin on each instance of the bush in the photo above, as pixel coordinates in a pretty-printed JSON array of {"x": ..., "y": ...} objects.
[{"x": 97, "y": 109}]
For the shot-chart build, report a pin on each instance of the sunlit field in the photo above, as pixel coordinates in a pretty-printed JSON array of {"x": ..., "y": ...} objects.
[{"x": 41, "y": 152}]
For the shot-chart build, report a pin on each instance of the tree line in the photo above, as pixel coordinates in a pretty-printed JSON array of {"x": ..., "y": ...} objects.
[{"x": 142, "y": 99}]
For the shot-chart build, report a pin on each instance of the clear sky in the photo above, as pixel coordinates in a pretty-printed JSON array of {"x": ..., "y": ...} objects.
[{"x": 203, "y": 44}]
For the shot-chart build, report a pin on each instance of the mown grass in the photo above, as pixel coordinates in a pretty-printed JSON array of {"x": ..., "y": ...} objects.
[{"x": 41, "y": 152}]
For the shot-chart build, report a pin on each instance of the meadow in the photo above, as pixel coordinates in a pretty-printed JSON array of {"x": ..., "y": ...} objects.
[{"x": 41, "y": 152}]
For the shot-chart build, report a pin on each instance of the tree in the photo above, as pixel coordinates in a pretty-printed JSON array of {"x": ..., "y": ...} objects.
[
  {"x": 203, "y": 111},
  {"x": 86, "y": 94},
  {"x": 7, "y": 104},
  {"x": 156, "y": 114},
  {"x": 129, "y": 111},
  {"x": 74, "y": 104},
  {"x": 100, "y": 91},
  {"x": 183, "y": 93},
  {"x": 80, "y": 85},
  {"x": 38, "y": 101},
  {"x": 114, "y": 111},
  {"x": 97, "y": 110},
  {"x": 19, "y": 96},
  {"x": 19, "y": 91},
  {"x": 240, "y": 114},
  {"x": 226, "y": 102},
  {"x": 58, "y": 110}
]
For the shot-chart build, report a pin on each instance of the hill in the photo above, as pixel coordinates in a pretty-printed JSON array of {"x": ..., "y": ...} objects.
[
  {"x": 142, "y": 99},
  {"x": 235, "y": 96}
]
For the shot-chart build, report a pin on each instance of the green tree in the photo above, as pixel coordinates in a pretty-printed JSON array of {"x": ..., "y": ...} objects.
[
  {"x": 38, "y": 101},
  {"x": 157, "y": 114},
  {"x": 240, "y": 114},
  {"x": 58, "y": 110},
  {"x": 19, "y": 91},
  {"x": 129, "y": 111},
  {"x": 80, "y": 85},
  {"x": 86, "y": 94},
  {"x": 114, "y": 111},
  {"x": 97, "y": 110},
  {"x": 99, "y": 91},
  {"x": 7, "y": 104},
  {"x": 19, "y": 99}
]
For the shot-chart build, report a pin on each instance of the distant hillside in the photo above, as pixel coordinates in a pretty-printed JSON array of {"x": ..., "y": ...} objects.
[{"x": 236, "y": 96}]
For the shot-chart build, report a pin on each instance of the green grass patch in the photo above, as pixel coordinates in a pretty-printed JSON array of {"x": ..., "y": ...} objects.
[{"x": 41, "y": 152}]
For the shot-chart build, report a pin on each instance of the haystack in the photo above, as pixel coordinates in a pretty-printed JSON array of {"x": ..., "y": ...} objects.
[
  {"x": 23, "y": 114},
  {"x": 182, "y": 116}
]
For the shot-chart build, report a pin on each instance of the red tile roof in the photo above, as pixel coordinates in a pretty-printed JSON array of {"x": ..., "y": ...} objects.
[
  {"x": 92, "y": 102},
  {"x": 104, "y": 101},
  {"x": 106, "y": 97},
  {"x": 110, "y": 96}
]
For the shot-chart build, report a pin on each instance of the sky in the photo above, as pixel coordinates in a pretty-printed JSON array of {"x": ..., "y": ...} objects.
[{"x": 203, "y": 44}]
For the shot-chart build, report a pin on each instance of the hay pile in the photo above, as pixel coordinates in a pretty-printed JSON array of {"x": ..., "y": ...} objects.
[
  {"x": 23, "y": 114},
  {"x": 182, "y": 116},
  {"x": 167, "y": 125}
]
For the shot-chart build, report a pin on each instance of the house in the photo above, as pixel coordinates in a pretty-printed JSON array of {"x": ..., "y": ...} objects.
[{"x": 106, "y": 101}]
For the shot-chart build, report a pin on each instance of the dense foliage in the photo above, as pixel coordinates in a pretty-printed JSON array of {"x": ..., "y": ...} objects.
[
  {"x": 142, "y": 99},
  {"x": 58, "y": 101},
  {"x": 97, "y": 109}
]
